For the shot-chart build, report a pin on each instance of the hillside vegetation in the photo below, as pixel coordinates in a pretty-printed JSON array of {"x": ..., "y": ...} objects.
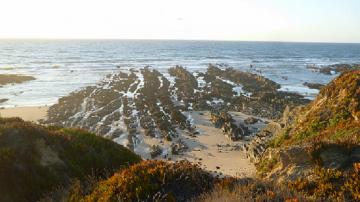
[
  {"x": 333, "y": 117},
  {"x": 36, "y": 160},
  {"x": 314, "y": 155},
  {"x": 152, "y": 181},
  {"x": 318, "y": 152}
]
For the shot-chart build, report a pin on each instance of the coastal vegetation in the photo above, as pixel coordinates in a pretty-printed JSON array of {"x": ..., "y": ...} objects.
[
  {"x": 311, "y": 153},
  {"x": 153, "y": 181},
  {"x": 317, "y": 152},
  {"x": 36, "y": 160}
]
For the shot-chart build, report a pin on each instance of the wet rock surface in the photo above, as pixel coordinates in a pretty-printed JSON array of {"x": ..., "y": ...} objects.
[
  {"x": 251, "y": 120},
  {"x": 178, "y": 147},
  {"x": 123, "y": 107},
  {"x": 155, "y": 151},
  {"x": 131, "y": 105},
  {"x": 230, "y": 129},
  {"x": 314, "y": 85},
  {"x": 260, "y": 142},
  {"x": 2, "y": 100},
  {"x": 334, "y": 69},
  {"x": 234, "y": 90},
  {"x": 14, "y": 79}
]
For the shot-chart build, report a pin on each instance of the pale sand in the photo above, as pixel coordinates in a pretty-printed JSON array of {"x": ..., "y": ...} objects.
[
  {"x": 33, "y": 114},
  {"x": 211, "y": 150}
]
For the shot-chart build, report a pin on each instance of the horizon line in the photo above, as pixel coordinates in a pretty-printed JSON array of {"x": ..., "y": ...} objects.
[{"x": 171, "y": 39}]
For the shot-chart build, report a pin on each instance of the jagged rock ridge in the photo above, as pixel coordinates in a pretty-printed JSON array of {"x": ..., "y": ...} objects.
[{"x": 132, "y": 103}]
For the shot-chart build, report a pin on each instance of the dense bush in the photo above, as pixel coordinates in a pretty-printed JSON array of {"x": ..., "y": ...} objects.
[
  {"x": 153, "y": 181},
  {"x": 249, "y": 190},
  {"x": 334, "y": 116},
  {"x": 331, "y": 184},
  {"x": 35, "y": 160},
  {"x": 329, "y": 130}
]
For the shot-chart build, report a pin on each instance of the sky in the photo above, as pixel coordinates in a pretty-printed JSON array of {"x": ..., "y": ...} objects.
[{"x": 244, "y": 20}]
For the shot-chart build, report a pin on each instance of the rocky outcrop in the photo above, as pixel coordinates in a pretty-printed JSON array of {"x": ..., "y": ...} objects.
[
  {"x": 260, "y": 142},
  {"x": 315, "y": 140},
  {"x": 294, "y": 162},
  {"x": 251, "y": 120},
  {"x": 317, "y": 86},
  {"x": 185, "y": 82},
  {"x": 130, "y": 104},
  {"x": 14, "y": 79},
  {"x": 178, "y": 147},
  {"x": 230, "y": 129},
  {"x": 242, "y": 91},
  {"x": 2, "y": 100},
  {"x": 335, "y": 68},
  {"x": 155, "y": 151},
  {"x": 120, "y": 104},
  {"x": 250, "y": 82}
]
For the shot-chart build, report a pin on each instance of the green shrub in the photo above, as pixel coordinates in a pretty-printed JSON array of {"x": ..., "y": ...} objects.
[
  {"x": 35, "y": 160},
  {"x": 154, "y": 181}
]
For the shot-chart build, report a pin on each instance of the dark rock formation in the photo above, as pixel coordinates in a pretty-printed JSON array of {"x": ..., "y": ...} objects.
[
  {"x": 3, "y": 100},
  {"x": 334, "y": 69},
  {"x": 132, "y": 103},
  {"x": 155, "y": 151},
  {"x": 314, "y": 85},
  {"x": 260, "y": 142},
  {"x": 224, "y": 121},
  {"x": 14, "y": 79},
  {"x": 260, "y": 96},
  {"x": 251, "y": 120},
  {"x": 178, "y": 147},
  {"x": 122, "y": 102}
]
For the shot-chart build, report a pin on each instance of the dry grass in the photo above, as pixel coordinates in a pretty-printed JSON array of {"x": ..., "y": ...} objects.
[
  {"x": 153, "y": 181},
  {"x": 250, "y": 190}
]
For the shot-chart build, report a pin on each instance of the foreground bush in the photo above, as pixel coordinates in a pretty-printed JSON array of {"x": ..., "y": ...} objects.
[
  {"x": 153, "y": 181},
  {"x": 35, "y": 160},
  {"x": 331, "y": 184},
  {"x": 249, "y": 190}
]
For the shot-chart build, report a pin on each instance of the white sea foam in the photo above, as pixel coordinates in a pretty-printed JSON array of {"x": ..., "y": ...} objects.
[{"x": 79, "y": 63}]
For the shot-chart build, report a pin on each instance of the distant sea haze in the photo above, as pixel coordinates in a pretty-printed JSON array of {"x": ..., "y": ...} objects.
[{"x": 62, "y": 66}]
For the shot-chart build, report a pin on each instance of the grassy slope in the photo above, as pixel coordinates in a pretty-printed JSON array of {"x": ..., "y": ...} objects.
[
  {"x": 35, "y": 160},
  {"x": 331, "y": 123},
  {"x": 333, "y": 117}
]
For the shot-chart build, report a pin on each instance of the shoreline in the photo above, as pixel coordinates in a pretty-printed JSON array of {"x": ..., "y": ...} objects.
[
  {"x": 33, "y": 114},
  {"x": 212, "y": 150}
]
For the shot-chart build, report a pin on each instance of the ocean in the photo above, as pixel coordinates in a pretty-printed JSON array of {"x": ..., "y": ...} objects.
[{"x": 62, "y": 66}]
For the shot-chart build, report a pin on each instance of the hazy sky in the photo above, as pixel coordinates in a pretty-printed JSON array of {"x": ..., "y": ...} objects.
[{"x": 259, "y": 20}]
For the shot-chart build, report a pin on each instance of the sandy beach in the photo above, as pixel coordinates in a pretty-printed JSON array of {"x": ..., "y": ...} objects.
[
  {"x": 211, "y": 150},
  {"x": 33, "y": 114},
  {"x": 216, "y": 153}
]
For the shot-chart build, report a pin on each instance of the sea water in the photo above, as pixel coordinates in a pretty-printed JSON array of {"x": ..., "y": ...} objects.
[{"x": 62, "y": 66}]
